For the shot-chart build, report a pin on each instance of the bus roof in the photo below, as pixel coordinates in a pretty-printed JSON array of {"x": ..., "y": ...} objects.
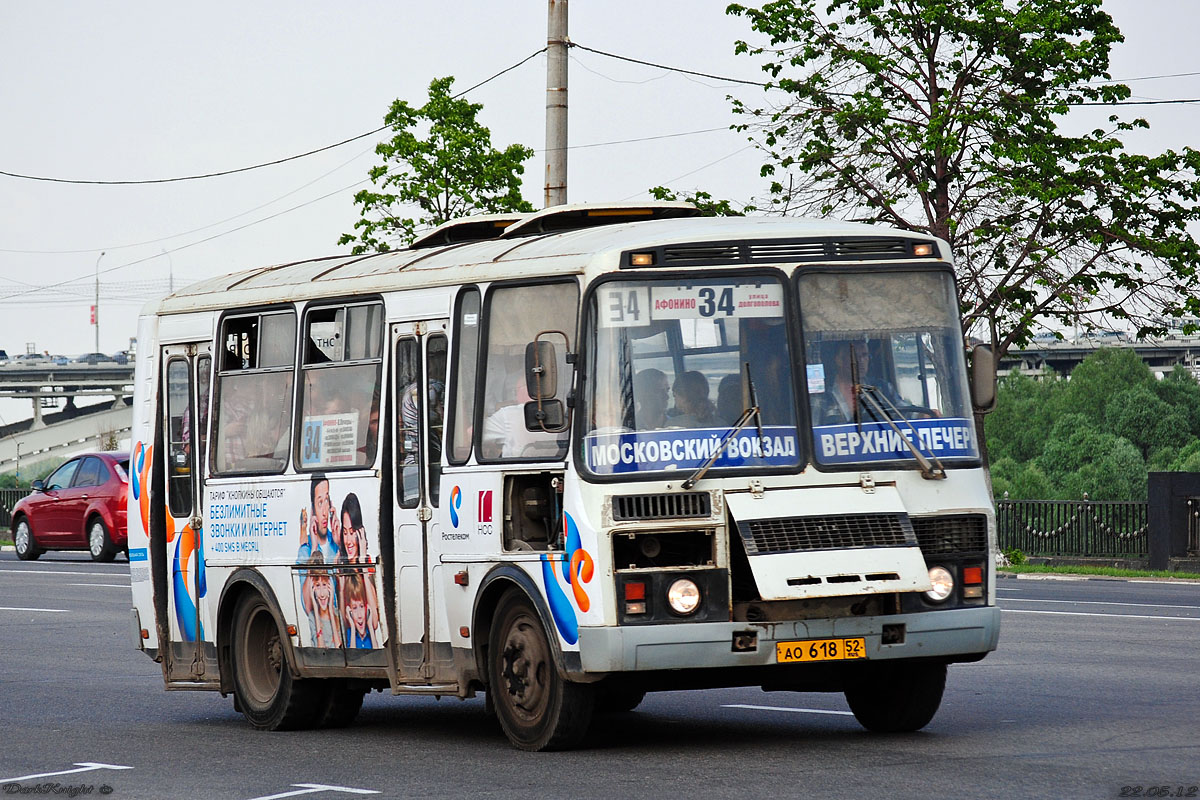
[{"x": 543, "y": 254}]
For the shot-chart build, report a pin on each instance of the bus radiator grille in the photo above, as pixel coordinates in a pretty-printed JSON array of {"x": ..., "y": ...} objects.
[
  {"x": 661, "y": 506},
  {"x": 838, "y": 532},
  {"x": 960, "y": 533}
]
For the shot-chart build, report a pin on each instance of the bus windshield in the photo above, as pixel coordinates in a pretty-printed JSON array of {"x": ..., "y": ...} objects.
[
  {"x": 673, "y": 365},
  {"x": 895, "y": 336}
]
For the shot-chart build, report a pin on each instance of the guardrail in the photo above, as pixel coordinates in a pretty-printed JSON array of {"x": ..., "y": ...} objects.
[
  {"x": 1073, "y": 527},
  {"x": 8, "y": 499}
]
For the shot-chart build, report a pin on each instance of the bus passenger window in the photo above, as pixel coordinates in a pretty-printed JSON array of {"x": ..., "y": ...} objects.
[
  {"x": 340, "y": 386},
  {"x": 179, "y": 430},
  {"x": 462, "y": 407},
  {"x": 408, "y": 422},
  {"x": 253, "y": 406},
  {"x": 436, "y": 355}
]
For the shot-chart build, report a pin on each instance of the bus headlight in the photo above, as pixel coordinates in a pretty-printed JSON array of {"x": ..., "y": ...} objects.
[
  {"x": 943, "y": 584},
  {"x": 683, "y": 596}
]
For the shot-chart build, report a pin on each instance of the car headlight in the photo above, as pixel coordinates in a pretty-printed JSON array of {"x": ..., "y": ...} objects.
[
  {"x": 943, "y": 584},
  {"x": 683, "y": 596}
]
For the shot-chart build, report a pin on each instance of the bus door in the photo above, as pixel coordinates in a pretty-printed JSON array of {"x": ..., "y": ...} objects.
[
  {"x": 187, "y": 371},
  {"x": 419, "y": 380}
]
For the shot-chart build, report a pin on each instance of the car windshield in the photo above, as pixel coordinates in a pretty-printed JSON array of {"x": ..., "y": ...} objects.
[
  {"x": 670, "y": 370},
  {"x": 884, "y": 360}
]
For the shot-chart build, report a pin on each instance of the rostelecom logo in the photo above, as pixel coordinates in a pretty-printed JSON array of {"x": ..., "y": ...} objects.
[{"x": 455, "y": 505}]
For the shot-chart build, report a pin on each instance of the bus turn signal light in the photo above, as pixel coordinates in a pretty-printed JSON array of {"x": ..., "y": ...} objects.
[{"x": 972, "y": 582}]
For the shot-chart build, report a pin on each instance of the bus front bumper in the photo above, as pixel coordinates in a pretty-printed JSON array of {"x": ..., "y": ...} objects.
[{"x": 960, "y": 633}]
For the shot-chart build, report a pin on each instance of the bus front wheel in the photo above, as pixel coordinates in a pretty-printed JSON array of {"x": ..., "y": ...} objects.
[
  {"x": 537, "y": 708},
  {"x": 265, "y": 691},
  {"x": 896, "y": 697}
]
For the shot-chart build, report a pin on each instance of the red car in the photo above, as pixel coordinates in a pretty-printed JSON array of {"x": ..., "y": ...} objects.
[{"x": 81, "y": 506}]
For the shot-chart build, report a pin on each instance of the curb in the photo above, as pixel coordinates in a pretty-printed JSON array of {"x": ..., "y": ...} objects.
[
  {"x": 8, "y": 548},
  {"x": 1052, "y": 576}
]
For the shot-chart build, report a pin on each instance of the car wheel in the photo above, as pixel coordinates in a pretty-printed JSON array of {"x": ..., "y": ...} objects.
[
  {"x": 27, "y": 549},
  {"x": 264, "y": 689},
  {"x": 537, "y": 708},
  {"x": 99, "y": 543}
]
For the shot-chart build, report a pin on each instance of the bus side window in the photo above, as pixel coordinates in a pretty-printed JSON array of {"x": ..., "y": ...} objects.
[
  {"x": 253, "y": 405},
  {"x": 510, "y": 327},
  {"x": 340, "y": 386},
  {"x": 408, "y": 422},
  {"x": 179, "y": 434},
  {"x": 466, "y": 367},
  {"x": 436, "y": 361}
]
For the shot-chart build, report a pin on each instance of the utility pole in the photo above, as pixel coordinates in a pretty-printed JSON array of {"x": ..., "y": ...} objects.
[
  {"x": 96, "y": 308},
  {"x": 556, "y": 104}
]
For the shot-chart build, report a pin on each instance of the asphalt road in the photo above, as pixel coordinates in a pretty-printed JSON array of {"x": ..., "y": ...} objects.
[{"x": 1095, "y": 687}]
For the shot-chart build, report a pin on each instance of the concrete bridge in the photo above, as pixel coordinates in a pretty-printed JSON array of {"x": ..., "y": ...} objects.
[
  {"x": 1161, "y": 355},
  {"x": 56, "y": 435}
]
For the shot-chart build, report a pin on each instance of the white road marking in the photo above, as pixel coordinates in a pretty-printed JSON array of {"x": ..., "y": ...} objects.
[
  {"x": 83, "y": 766},
  {"x": 47, "y": 610},
  {"x": 1091, "y": 614},
  {"x": 794, "y": 710},
  {"x": 1097, "y": 603},
  {"x": 59, "y": 572},
  {"x": 314, "y": 788},
  {"x": 109, "y": 585}
]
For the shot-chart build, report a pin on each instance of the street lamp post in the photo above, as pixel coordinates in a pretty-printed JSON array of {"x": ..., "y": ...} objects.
[{"x": 96, "y": 308}]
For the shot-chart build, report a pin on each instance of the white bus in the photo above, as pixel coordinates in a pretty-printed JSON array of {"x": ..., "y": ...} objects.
[{"x": 565, "y": 459}]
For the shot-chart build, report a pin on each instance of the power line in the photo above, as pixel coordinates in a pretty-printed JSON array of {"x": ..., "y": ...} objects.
[
  {"x": 773, "y": 86},
  {"x": 107, "y": 270},
  {"x": 277, "y": 161}
]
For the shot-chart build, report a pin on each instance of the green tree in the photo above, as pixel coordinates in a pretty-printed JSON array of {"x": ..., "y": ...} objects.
[
  {"x": 1182, "y": 392},
  {"x": 1137, "y": 414},
  {"x": 1020, "y": 481},
  {"x": 1187, "y": 459},
  {"x": 1081, "y": 458},
  {"x": 440, "y": 160},
  {"x": 1020, "y": 425},
  {"x": 1097, "y": 377},
  {"x": 943, "y": 117},
  {"x": 708, "y": 205}
]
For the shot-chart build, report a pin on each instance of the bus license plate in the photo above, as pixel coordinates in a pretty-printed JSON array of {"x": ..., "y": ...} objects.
[{"x": 820, "y": 650}]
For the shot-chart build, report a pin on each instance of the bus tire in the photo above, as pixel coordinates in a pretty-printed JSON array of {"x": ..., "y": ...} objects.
[
  {"x": 270, "y": 698},
  {"x": 618, "y": 699},
  {"x": 899, "y": 697},
  {"x": 100, "y": 544},
  {"x": 536, "y": 707},
  {"x": 343, "y": 701},
  {"x": 25, "y": 544}
]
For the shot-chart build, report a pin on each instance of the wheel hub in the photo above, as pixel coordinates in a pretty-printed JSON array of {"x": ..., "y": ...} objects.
[{"x": 523, "y": 667}]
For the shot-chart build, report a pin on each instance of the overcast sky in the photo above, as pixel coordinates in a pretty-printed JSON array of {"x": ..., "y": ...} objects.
[{"x": 144, "y": 90}]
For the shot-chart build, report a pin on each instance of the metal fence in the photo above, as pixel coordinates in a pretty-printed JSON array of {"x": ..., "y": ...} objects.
[
  {"x": 8, "y": 499},
  {"x": 1073, "y": 528}
]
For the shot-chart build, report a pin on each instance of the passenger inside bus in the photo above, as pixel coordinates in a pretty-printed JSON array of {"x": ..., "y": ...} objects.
[
  {"x": 504, "y": 431},
  {"x": 692, "y": 406},
  {"x": 651, "y": 392}
]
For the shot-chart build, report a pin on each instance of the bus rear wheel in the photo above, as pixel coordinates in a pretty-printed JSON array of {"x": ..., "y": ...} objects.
[
  {"x": 895, "y": 697},
  {"x": 267, "y": 694},
  {"x": 537, "y": 708}
]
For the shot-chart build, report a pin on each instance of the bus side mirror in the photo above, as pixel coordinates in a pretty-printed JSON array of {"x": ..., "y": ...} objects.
[
  {"x": 541, "y": 370},
  {"x": 547, "y": 415},
  {"x": 983, "y": 378}
]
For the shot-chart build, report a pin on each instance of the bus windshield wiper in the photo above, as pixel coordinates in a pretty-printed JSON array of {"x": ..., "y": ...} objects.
[
  {"x": 876, "y": 402},
  {"x": 750, "y": 409}
]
